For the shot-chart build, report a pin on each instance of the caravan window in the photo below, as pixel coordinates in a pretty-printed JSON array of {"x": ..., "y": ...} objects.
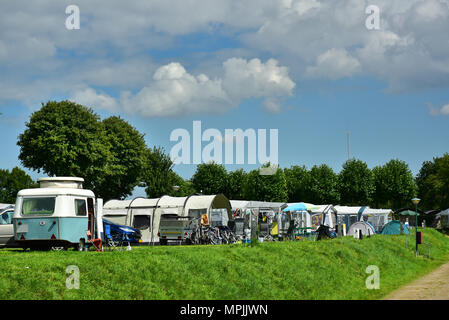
[
  {"x": 219, "y": 217},
  {"x": 142, "y": 222},
  {"x": 38, "y": 206},
  {"x": 80, "y": 207},
  {"x": 197, "y": 213}
]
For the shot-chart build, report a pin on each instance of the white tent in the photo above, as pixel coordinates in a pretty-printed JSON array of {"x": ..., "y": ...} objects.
[
  {"x": 329, "y": 214},
  {"x": 377, "y": 211},
  {"x": 362, "y": 226},
  {"x": 270, "y": 211},
  {"x": 136, "y": 213},
  {"x": 347, "y": 210},
  {"x": 121, "y": 207},
  {"x": 376, "y": 217},
  {"x": 355, "y": 210},
  {"x": 244, "y": 204},
  {"x": 313, "y": 217},
  {"x": 145, "y": 214}
]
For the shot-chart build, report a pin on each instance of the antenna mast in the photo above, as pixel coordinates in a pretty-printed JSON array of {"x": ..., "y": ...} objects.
[{"x": 347, "y": 138}]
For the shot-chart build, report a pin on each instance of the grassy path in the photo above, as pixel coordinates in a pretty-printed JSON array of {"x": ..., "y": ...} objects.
[{"x": 434, "y": 286}]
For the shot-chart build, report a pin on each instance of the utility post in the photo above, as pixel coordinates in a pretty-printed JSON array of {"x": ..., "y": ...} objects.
[{"x": 416, "y": 201}]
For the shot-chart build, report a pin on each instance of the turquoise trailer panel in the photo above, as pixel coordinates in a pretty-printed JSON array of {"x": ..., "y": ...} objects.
[{"x": 70, "y": 229}]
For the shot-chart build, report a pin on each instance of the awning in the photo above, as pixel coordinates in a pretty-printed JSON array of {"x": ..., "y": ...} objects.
[{"x": 300, "y": 206}]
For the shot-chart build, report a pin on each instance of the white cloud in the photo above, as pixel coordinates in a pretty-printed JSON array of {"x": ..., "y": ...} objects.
[
  {"x": 334, "y": 64},
  {"x": 253, "y": 78},
  {"x": 174, "y": 92},
  {"x": 90, "y": 98},
  {"x": 443, "y": 111},
  {"x": 41, "y": 59},
  {"x": 431, "y": 10},
  {"x": 272, "y": 105},
  {"x": 132, "y": 72},
  {"x": 409, "y": 52}
]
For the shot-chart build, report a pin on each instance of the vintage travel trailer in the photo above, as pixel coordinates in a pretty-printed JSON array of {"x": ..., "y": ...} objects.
[{"x": 59, "y": 214}]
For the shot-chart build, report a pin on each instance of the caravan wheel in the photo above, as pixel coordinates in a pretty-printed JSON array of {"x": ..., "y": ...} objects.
[{"x": 58, "y": 248}]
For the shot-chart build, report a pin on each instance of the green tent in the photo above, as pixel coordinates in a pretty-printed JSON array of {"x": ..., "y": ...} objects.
[{"x": 394, "y": 227}]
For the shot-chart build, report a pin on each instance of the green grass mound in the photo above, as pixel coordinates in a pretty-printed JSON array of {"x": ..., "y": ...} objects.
[{"x": 329, "y": 269}]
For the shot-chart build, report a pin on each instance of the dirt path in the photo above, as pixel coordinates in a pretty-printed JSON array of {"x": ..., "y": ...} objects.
[{"x": 434, "y": 286}]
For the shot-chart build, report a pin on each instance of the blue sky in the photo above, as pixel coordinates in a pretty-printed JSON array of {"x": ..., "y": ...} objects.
[{"x": 308, "y": 68}]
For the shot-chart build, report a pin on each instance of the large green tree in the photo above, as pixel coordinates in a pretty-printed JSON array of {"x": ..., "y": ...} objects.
[
  {"x": 298, "y": 182},
  {"x": 11, "y": 182},
  {"x": 266, "y": 187},
  {"x": 158, "y": 177},
  {"x": 394, "y": 185},
  {"x": 210, "y": 178},
  {"x": 356, "y": 183},
  {"x": 124, "y": 169},
  {"x": 323, "y": 185},
  {"x": 433, "y": 183},
  {"x": 185, "y": 186},
  {"x": 235, "y": 182},
  {"x": 426, "y": 189},
  {"x": 67, "y": 139}
]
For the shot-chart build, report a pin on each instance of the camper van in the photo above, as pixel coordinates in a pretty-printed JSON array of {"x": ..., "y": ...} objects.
[{"x": 59, "y": 214}]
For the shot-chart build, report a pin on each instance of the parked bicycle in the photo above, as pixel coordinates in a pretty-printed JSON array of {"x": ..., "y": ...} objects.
[{"x": 205, "y": 234}]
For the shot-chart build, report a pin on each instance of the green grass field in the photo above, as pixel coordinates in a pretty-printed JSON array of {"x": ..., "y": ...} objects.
[{"x": 328, "y": 269}]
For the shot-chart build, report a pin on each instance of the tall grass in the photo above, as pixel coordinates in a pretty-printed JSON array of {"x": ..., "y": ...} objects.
[{"x": 328, "y": 269}]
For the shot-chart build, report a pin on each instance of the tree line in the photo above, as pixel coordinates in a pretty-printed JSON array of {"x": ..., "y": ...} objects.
[
  {"x": 67, "y": 139},
  {"x": 391, "y": 185}
]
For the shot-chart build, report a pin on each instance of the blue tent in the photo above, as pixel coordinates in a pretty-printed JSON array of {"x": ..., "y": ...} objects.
[
  {"x": 300, "y": 206},
  {"x": 394, "y": 227}
]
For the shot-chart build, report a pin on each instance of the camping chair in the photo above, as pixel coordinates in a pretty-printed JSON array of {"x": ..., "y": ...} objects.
[
  {"x": 109, "y": 239},
  {"x": 96, "y": 242}
]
